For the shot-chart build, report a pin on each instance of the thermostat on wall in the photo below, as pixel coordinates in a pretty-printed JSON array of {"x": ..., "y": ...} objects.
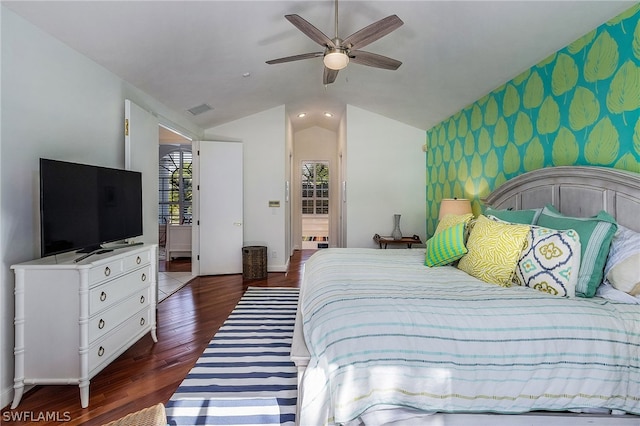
[{"x": 273, "y": 203}]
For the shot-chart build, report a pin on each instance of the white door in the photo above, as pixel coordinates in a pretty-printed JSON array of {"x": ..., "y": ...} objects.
[
  {"x": 218, "y": 202},
  {"x": 141, "y": 155}
]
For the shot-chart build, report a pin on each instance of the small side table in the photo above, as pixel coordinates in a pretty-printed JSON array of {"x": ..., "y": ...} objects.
[{"x": 389, "y": 240}]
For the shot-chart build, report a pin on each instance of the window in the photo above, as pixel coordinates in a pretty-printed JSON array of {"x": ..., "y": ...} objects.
[
  {"x": 315, "y": 187},
  {"x": 175, "y": 187}
]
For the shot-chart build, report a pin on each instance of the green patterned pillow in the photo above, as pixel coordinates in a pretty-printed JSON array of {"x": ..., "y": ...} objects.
[
  {"x": 595, "y": 234},
  {"x": 446, "y": 246},
  {"x": 527, "y": 217},
  {"x": 452, "y": 219},
  {"x": 494, "y": 250},
  {"x": 550, "y": 262}
]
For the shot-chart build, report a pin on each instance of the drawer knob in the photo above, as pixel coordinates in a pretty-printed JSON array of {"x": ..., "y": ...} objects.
[
  {"x": 107, "y": 271},
  {"x": 144, "y": 277},
  {"x": 141, "y": 299},
  {"x": 101, "y": 351},
  {"x": 103, "y": 296},
  {"x": 142, "y": 321},
  {"x": 138, "y": 260},
  {"x": 101, "y": 324}
]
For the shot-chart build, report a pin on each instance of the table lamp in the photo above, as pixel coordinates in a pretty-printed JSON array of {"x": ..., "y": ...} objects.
[{"x": 457, "y": 206}]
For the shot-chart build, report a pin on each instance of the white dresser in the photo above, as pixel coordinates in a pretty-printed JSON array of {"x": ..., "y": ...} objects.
[{"x": 73, "y": 319}]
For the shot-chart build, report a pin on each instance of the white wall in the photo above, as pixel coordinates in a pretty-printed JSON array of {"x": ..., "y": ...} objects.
[
  {"x": 55, "y": 104},
  {"x": 316, "y": 144},
  {"x": 264, "y": 172},
  {"x": 385, "y": 169}
]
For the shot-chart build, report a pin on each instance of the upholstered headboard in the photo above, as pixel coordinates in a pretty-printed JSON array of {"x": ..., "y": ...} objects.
[{"x": 578, "y": 191}]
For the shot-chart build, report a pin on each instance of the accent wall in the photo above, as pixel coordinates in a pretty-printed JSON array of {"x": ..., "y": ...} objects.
[{"x": 579, "y": 106}]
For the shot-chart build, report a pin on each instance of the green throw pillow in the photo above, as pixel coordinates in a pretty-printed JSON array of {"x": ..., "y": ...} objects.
[
  {"x": 526, "y": 217},
  {"x": 446, "y": 246},
  {"x": 595, "y": 234}
]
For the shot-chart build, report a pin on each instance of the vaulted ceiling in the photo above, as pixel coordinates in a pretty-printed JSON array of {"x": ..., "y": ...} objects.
[{"x": 189, "y": 53}]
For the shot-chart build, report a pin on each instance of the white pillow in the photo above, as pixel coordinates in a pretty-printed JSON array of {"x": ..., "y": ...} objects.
[
  {"x": 606, "y": 291},
  {"x": 622, "y": 269}
]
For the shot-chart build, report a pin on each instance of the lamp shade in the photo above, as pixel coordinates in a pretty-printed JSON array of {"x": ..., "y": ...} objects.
[
  {"x": 336, "y": 60},
  {"x": 456, "y": 206}
]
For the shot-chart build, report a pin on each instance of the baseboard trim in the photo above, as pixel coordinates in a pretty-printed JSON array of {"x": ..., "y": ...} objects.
[
  {"x": 6, "y": 397},
  {"x": 279, "y": 268}
]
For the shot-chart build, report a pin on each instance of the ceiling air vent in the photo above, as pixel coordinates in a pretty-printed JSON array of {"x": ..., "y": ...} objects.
[{"x": 197, "y": 110}]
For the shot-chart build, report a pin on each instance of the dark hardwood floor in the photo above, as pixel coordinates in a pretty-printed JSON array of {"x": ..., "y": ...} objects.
[{"x": 149, "y": 373}]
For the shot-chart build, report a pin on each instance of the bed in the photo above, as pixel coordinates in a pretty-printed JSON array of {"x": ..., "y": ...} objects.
[{"x": 380, "y": 338}]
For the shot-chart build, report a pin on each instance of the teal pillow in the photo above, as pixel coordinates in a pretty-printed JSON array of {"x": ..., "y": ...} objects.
[
  {"x": 525, "y": 217},
  {"x": 596, "y": 234},
  {"x": 446, "y": 246}
]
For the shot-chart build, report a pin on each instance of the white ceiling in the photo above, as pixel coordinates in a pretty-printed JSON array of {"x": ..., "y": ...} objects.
[{"x": 188, "y": 53}]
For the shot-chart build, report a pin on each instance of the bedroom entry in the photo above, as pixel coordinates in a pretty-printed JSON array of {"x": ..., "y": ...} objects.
[
  {"x": 175, "y": 211},
  {"x": 315, "y": 204}
]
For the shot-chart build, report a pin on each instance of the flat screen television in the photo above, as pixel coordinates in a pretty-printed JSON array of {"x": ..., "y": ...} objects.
[{"x": 84, "y": 206}]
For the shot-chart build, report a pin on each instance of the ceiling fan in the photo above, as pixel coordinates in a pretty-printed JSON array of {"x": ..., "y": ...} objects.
[{"x": 338, "y": 52}]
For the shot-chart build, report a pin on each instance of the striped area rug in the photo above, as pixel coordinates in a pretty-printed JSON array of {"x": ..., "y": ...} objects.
[{"x": 244, "y": 376}]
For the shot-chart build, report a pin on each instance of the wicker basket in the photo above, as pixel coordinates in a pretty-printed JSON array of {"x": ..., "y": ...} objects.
[
  {"x": 152, "y": 416},
  {"x": 254, "y": 263}
]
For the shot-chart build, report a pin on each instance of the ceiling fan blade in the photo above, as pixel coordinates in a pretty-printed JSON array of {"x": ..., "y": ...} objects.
[
  {"x": 329, "y": 76},
  {"x": 373, "y": 60},
  {"x": 372, "y": 32},
  {"x": 312, "y": 32},
  {"x": 295, "y": 58}
]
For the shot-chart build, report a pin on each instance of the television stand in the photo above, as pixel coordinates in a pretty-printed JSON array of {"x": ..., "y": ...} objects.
[
  {"x": 97, "y": 251},
  {"x": 83, "y": 257},
  {"x": 119, "y": 246},
  {"x": 91, "y": 311},
  {"x": 89, "y": 249}
]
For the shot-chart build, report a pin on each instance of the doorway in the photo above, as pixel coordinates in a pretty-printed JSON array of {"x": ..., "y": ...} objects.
[
  {"x": 174, "y": 199},
  {"x": 174, "y": 209},
  {"x": 315, "y": 189},
  {"x": 315, "y": 204}
]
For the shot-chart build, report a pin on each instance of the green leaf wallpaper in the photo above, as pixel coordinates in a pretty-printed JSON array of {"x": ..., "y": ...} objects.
[{"x": 579, "y": 106}]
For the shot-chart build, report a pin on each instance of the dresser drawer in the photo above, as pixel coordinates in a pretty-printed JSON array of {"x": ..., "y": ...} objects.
[
  {"x": 105, "y": 271},
  {"x": 111, "y": 318},
  {"x": 104, "y": 296},
  {"x": 112, "y": 344},
  {"x": 136, "y": 260}
]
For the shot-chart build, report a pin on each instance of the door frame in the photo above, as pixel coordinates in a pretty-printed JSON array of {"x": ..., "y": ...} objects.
[
  {"x": 334, "y": 201},
  {"x": 329, "y": 214}
]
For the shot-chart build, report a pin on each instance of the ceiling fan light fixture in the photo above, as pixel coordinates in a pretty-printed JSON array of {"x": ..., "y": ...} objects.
[
  {"x": 336, "y": 60},
  {"x": 338, "y": 52}
]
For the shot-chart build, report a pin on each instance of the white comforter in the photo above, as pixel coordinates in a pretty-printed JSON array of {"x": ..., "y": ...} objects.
[{"x": 386, "y": 331}]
